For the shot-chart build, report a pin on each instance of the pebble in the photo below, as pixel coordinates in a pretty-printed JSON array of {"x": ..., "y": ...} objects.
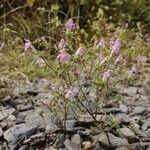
[
  {"x": 1, "y": 132},
  {"x": 146, "y": 125},
  {"x": 18, "y": 132},
  {"x": 125, "y": 132},
  {"x": 139, "y": 110},
  {"x": 115, "y": 141}
]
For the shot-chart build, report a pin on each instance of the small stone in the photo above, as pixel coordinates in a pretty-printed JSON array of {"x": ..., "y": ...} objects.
[
  {"x": 18, "y": 132},
  {"x": 1, "y": 132},
  {"x": 42, "y": 118},
  {"x": 123, "y": 108},
  {"x": 60, "y": 141},
  {"x": 130, "y": 91},
  {"x": 70, "y": 124},
  {"x": 122, "y": 148},
  {"x": 125, "y": 132},
  {"x": 85, "y": 118},
  {"x": 24, "y": 107},
  {"x": 3, "y": 124},
  {"x": 76, "y": 139},
  {"x": 4, "y": 113},
  {"x": 139, "y": 110},
  {"x": 24, "y": 147},
  {"x": 87, "y": 145},
  {"x": 115, "y": 141},
  {"x": 11, "y": 118},
  {"x": 146, "y": 125},
  {"x": 141, "y": 133},
  {"x": 70, "y": 145}
]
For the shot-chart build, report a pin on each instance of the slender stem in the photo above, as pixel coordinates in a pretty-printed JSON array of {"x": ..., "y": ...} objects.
[{"x": 85, "y": 108}]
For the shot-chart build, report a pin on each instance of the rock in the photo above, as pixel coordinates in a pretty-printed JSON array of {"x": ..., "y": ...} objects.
[
  {"x": 115, "y": 141},
  {"x": 125, "y": 132},
  {"x": 35, "y": 120},
  {"x": 17, "y": 133},
  {"x": 76, "y": 139},
  {"x": 24, "y": 147},
  {"x": 70, "y": 146},
  {"x": 59, "y": 143},
  {"x": 123, "y": 108},
  {"x": 146, "y": 125},
  {"x": 85, "y": 118},
  {"x": 130, "y": 91},
  {"x": 23, "y": 114},
  {"x": 70, "y": 124},
  {"x": 139, "y": 110},
  {"x": 35, "y": 139},
  {"x": 24, "y": 107},
  {"x": 5, "y": 112},
  {"x": 42, "y": 119},
  {"x": 1, "y": 132},
  {"x": 11, "y": 120},
  {"x": 43, "y": 98},
  {"x": 3, "y": 124},
  {"x": 128, "y": 101},
  {"x": 141, "y": 133},
  {"x": 122, "y": 148},
  {"x": 87, "y": 145}
]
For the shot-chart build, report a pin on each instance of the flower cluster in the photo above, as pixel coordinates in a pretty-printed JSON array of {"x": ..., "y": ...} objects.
[
  {"x": 101, "y": 44},
  {"x": 62, "y": 44},
  {"x": 63, "y": 57},
  {"x": 70, "y": 25},
  {"x": 107, "y": 75},
  {"x": 28, "y": 44},
  {"x": 115, "y": 46},
  {"x": 70, "y": 93},
  {"x": 40, "y": 62},
  {"x": 80, "y": 51}
]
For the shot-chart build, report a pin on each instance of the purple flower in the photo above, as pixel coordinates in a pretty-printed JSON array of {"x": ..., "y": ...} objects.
[
  {"x": 80, "y": 51},
  {"x": 70, "y": 25},
  {"x": 28, "y": 44},
  {"x": 70, "y": 92},
  {"x": 100, "y": 57},
  {"x": 63, "y": 57},
  {"x": 101, "y": 44},
  {"x": 134, "y": 69},
  {"x": 115, "y": 46},
  {"x": 40, "y": 62},
  {"x": 62, "y": 44},
  {"x": 119, "y": 59},
  {"x": 107, "y": 75}
]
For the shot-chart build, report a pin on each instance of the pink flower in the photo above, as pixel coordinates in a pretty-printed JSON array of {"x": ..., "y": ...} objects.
[
  {"x": 80, "y": 51},
  {"x": 63, "y": 57},
  {"x": 107, "y": 75},
  {"x": 62, "y": 44},
  {"x": 101, "y": 44},
  {"x": 119, "y": 59},
  {"x": 70, "y": 25},
  {"x": 40, "y": 62},
  {"x": 100, "y": 56},
  {"x": 115, "y": 46},
  {"x": 28, "y": 44},
  {"x": 70, "y": 93},
  {"x": 134, "y": 69}
]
